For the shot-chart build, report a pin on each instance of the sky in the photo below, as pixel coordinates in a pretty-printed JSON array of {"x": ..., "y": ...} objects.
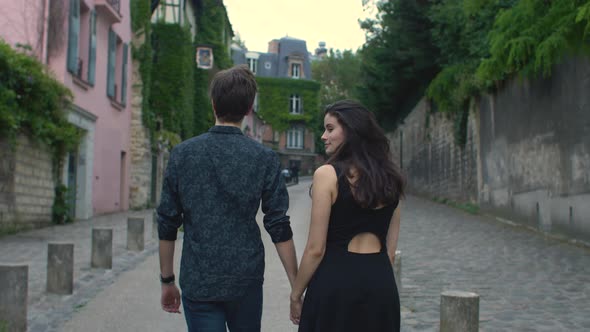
[{"x": 332, "y": 21}]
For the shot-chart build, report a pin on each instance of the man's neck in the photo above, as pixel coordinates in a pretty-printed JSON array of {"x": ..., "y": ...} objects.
[{"x": 229, "y": 124}]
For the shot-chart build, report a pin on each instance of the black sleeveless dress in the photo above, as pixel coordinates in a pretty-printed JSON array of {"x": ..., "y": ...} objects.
[{"x": 352, "y": 291}]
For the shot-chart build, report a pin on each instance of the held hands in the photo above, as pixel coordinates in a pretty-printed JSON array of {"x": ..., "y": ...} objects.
[
  {"x": 170, "y": 298},
  {"x": 296, "y": 305}
]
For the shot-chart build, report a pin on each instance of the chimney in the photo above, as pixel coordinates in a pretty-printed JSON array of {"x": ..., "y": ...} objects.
[{"x": 273, "y": 46}]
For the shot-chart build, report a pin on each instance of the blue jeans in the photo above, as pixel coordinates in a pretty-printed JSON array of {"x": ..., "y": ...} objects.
[{"x": 241, "y": 315}]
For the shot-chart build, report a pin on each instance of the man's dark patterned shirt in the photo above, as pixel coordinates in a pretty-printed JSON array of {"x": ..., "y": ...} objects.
[{"x": 213, "y": 185}]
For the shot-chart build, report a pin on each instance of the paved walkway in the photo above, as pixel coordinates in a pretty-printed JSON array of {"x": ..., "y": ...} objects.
[
  {"x": 47, "y": 312},
  {"x": 526, "y": 282}
]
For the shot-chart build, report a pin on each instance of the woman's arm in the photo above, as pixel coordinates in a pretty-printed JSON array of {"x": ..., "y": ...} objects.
[
  {"x": 393, "y": 233},
  {"x": 324, "y": 191}
]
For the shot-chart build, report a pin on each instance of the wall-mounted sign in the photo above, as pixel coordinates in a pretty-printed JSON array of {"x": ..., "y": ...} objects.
[{"x": 204, "y": 57}]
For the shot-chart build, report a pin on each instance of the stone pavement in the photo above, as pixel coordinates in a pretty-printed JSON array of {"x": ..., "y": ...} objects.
[
  {"x": 526, "y": 281},
  {"x": 47, "y": 312}
]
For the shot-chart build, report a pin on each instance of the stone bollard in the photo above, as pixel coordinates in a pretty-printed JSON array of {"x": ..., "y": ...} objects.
[
  {"x": 14, "y": 290},
  {"x": 60, "y": 268},
  {"x": 459, "y": 311},
  {"x": 155, "y": 225},
  {"x": 135, "y": 233},
  {"x": 102, "y": 248},
  {"x": 397, "y": 270}
]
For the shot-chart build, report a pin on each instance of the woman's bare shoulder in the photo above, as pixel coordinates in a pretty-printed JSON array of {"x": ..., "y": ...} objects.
[{"x": 325, "y": 172}]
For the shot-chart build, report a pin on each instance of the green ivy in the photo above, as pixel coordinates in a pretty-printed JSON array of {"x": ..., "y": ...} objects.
[
  {"x": 273, "y": 101},
  {"x": 172, "y": 79},
  {"x": 214, "y": 29},
  {"x": 141, "y": 25},
  {"x": 34, "y": 103},
  {"x": 534, "y": 35}
]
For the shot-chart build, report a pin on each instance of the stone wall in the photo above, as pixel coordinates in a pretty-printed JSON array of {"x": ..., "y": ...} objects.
[
  {"x": 141, "y": 155},
  {"x": 435, "y": 166},
  {"x": 26, "y": 184},
  {"x": 535, "y": 150},
  {"x": 527, "y": 156}
]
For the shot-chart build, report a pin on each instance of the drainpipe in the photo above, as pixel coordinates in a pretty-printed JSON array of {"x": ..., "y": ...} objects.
[{"x": 44, "y": 32}]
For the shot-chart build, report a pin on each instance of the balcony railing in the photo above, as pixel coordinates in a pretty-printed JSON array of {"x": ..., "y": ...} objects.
[
  {"x": 111, "y": 9},
  {"x": 116, "y": 4}
]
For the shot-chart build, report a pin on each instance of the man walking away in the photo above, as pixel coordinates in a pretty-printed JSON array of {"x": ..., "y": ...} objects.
[{"x": 213, "y": 186}]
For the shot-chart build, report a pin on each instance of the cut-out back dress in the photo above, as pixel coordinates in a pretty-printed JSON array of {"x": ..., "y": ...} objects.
[{"x": 352, "y": 291}]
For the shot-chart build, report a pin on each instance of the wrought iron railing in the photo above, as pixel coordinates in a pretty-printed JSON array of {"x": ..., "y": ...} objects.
[{"x": 116, "y": 4}]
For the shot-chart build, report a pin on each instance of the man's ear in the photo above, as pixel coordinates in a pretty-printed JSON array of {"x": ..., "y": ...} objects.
[{"x": 213, "y": 108}]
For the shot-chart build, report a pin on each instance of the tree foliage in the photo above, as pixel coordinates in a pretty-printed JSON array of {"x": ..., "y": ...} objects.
[
  {"x": 338, "y": 75},
  {"x": 533, "y": 35},
  {"x": 473, "y": 44},
  {"x": 398, "y": 60}
]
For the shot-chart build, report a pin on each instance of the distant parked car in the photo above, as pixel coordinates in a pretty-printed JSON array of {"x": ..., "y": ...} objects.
[{"x": 286, "y": 173}]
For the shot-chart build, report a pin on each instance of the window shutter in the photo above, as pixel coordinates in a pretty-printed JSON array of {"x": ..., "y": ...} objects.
[
  {"x": 124, "y": 78},
  {"x": 73, "y": 37},
  {"x": 92, "y": 48},
  {"x": 111, "y": 64}
]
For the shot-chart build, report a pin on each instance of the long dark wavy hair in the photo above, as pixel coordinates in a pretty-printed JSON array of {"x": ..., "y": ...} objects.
[{"x": 365, "y": 153}]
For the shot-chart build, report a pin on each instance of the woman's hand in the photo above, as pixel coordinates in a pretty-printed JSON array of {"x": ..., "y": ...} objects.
[{"x": 296, "y": 305}]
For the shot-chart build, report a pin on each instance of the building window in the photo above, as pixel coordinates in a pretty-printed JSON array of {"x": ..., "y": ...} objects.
[
  {"x": 81, "y": 53},
  {"x": 168, "y": 11},
  {"x": 117, "y": 57},
  {"x": 295, "y": 70},
  {"x": 295, "y": 104},
  {"x": 295, "y": 138},
  {"x": 252, "y": 64}
]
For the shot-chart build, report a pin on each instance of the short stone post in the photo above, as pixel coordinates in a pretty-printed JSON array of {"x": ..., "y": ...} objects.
[
  {"x": 397, "y": 270},
  {"x": 459, "y": 311},
  {"x": 60, "y": 268},
  {"x": 102, "y": 248},
  {"x": 14, "y": 290},
  {"x": 155, "y": 225},
  {"x": 135, "y": 233}
]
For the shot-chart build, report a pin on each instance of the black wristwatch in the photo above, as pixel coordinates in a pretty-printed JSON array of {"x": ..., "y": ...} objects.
[{"x": 167, "y": 280}]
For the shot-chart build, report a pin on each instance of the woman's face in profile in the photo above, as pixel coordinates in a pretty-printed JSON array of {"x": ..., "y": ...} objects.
[{"x": 333, "y": 135}]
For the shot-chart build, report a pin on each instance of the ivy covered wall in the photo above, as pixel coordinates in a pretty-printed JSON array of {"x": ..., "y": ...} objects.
[{"x": 273, "y": 101}]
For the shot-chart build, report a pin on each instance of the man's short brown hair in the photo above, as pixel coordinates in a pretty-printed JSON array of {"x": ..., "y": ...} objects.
[{"x": 232, "y": 92}]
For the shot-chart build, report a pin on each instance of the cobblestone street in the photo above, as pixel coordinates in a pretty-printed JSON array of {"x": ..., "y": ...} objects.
[{"x": 526, "y": 282}]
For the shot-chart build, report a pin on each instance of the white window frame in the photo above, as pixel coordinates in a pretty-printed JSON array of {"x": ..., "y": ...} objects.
[
  {"x": 295, "y": 104},
  {"x": 295, "y": 70},
  {"x": 252, "y": 64},
  {"x": 295, "y": 138}
]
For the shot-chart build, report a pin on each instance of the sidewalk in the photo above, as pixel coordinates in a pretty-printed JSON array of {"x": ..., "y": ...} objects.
[{"x": 48, "y": 312}]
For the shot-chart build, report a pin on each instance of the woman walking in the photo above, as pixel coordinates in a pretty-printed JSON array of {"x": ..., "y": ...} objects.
[{"x": 346, "y": 269}]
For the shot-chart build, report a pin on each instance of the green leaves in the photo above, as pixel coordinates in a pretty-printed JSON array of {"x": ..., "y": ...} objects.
[
  {"x": 531, "y": 37},
  {"x": 33, "y": 102},
  {"x": 273, "y": 98}
]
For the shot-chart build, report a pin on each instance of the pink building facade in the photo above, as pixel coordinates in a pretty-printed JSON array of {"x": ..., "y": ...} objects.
[{"x": 86, "y": 45}]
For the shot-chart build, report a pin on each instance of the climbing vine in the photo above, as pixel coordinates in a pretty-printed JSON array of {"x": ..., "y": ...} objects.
[
  {"x": 172, "y": 80},
  {"x": 274, "y": 96},
  {"x": 34, "y": 103}
]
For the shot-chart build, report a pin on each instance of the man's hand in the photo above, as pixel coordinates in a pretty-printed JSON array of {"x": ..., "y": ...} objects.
[{"x": 170, "y": 298}]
